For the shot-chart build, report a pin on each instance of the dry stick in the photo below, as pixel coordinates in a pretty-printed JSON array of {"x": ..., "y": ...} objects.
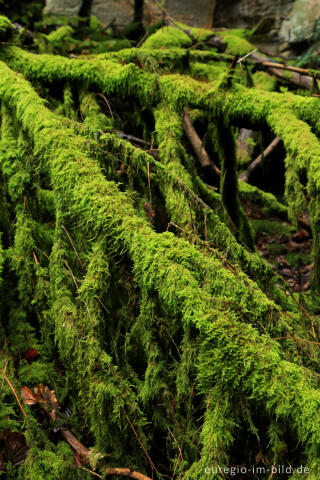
[
  {"x": 107, "y": 103},
  {"x": 306, "y": 314},
  {"x": 301, "y": 71},
  {"x": 82, "y": 451},
  {"x": 246, "y": 56},
  {"x": 196, "y": 143},
  {"x": 296, "y": 340},
  {"x": 14, "y": 392},
  {"x": 304, "y": 81},
  {"x": 180, "y": 455},
  {"x": 72, "y": 275},
  {"x": 90, "y": 471},
  {"x": 132, "y": 138},
  {"x": 126, "y": 472},
  {"x": 253, "y": 165},
  {"x": 86, "y": 454},
  {"x": 74, "y": 248},
  {"x": 141, "y": 444}
]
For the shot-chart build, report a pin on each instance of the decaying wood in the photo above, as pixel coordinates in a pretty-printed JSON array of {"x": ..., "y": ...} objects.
[
  {"x": 253, "y": 165},
  {"x": 196, "y": 143},
  {"x": 126, "y": 472},
  {"x": 300, "y": 80}
]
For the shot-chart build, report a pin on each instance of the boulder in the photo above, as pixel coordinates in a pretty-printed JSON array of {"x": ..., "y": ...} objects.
[
  {"x": 264, "y": 17},
  {"x": 303, "y": 23},
  {"x": 195, "y": 13},
  {"x": 70, "y": 8},
  {"x": 121, "y": 12}
]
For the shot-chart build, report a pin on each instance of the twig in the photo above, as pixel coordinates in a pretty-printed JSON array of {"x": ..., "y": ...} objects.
[
  {"x": 196, "y": 143},
  {"x": 71, "y": 273},
  {"x": 296, "y": 340},
  {"x": 107, "y": 103},
  {"x": 141, "y": 444},
  {"x": 132, "y": 138},
  {"x": 126, "y": 472},
  {"x": 74, "y": 248},
  {"x": 246, "y": 56},
  {"x": 82, "y": 451},
  {"x": 253, "y": 165},
  {"x": 180, "y": 455},
  {"x": 14, "y": 392},
  {"x": 301, "y": 71},
  {"x": 303, "y": 81},
  {"x": 233, "y": 65},
  {"x": 143, "y": 39},
  {"x": 306, "y": 314},
  {"x": 90, "y": 471}
]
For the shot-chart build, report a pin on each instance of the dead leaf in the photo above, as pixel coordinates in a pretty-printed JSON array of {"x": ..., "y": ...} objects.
[
  {"x": 51, "y": 401},
  {"x": 28, "y": 396},
  {"x": 30, "y": 354},
  {"x": 301, "y": 235},
  {"x": 42, "y": 395}
]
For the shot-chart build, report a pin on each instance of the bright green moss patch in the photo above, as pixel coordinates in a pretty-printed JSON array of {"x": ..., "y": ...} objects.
[
  {"x": 236, "y": 42},
  {"x": 264, "y": 81},
  {"x": 168, "y": 37}
]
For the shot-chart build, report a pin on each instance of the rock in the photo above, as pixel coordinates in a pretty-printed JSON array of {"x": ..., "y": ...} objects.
[
  {"x": 70, "y": 8},
  {"x": 265, "y": 17},
  {"x": 302, "y": 22},
  {"x": 121, "y": 11},
  {"x": 248, "y": 13},
  {"x": 195, "y": 14}
]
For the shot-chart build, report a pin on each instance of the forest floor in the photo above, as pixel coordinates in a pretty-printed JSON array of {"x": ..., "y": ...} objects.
[{"x": 286, "y": 248}]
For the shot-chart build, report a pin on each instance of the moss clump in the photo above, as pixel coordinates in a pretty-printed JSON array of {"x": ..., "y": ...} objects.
[
  {"x": 168, "y": 37},
  {"x": 264, "y": 81}
]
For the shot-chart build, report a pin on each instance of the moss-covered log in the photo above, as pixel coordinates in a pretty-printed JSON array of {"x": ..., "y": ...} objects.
[{"x": 176, "y": 351}]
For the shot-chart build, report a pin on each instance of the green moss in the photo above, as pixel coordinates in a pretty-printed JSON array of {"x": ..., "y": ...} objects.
[
  {"x": 271, "y": 227},
  {"x": 178, "y": 332},
  {"x": 167, "y": 37},
  {"x": 236, "y": 42},
  {"x": 6, "y": 28},
  {"x": 56, "y": 42},
  {"x": 269, "y": 203},
  {"x": 264, "y": 81},
  {"x": 298, "y": 259}
]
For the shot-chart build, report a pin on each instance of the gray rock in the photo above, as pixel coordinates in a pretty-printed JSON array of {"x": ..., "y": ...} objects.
[
  {"x": 195, "y": 13},
  {"x": 301, "y": 23},
  {"x": 70, "y": 8},
  {"x": 121, "y": 11},
  {"x": 265, "y": 16},
  {"x": 248, "y": 13}
]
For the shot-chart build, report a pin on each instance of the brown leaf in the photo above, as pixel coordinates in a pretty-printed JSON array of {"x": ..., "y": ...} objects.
[
  {"x": 28, "y": 396},
  {"x": 16, "y": 447},
  {"x": 46, "y": 398},
  {"x": 301, "y": 235},
  {"x": 51, "y": 401},
  {"x": 30, "y": 354}
]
